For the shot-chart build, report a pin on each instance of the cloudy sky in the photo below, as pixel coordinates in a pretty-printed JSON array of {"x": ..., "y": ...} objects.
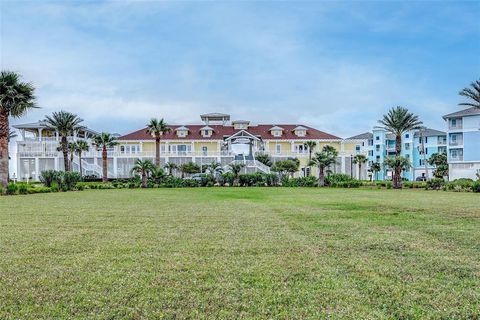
[{"x": 337, "y": 66}]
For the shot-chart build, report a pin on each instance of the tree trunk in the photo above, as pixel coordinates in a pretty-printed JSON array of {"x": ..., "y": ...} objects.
[
  {"x": 397, "y": 180},
  {"x": 64, "y": 147},
  {"x": 398, "y": 145},
  {"x": 359, "y": 171},
  {"x": 157, "y": 151},
  {"x": 104, "y": 164},
  {"x": 321, "y": 177},
  {"x": 4, "y": 132},
  {"x": 71, "y": 161},
  {"x": 144, "y": 180},
  {"x": 80, "y": 163}
]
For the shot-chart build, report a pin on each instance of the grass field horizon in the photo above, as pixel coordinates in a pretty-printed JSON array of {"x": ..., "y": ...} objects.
[{"x": 240, "y": 253}]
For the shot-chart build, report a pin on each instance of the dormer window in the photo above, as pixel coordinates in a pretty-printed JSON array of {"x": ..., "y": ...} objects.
[
  {"x": 182, "y": 132},
  {"x": 276, "y": 131},
  {"x": 206, "y": 132},
  {"x": 240, "y": 124},
  {"x": 300, "y": 131}
]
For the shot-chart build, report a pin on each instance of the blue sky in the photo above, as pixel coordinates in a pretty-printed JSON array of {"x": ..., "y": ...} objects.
[{"x": 337, "y": 66}]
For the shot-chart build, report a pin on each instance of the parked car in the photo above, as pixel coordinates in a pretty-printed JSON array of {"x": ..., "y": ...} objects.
[{"x": 421, "y": 179}]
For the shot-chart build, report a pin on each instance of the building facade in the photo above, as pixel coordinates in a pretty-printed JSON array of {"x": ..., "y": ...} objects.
[
  {"x": 463, "y": 148},
  {"x": 216, "y": 139},
  {"x": 417, "y": 146}
]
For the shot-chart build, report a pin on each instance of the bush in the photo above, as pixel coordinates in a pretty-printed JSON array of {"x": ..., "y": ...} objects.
[
  {"x": 11, "y": 189},
  {"x": 309, "y": 181},
  {"x": 435, "y": 184},
  {"x": 207, "y": 180},
  {"x": 226, "y": 178},
  {"x": 271, "y": 179},
  {"x": 476, "y": 186},
  {"x": 22, "y": 189},
  {"x": 39, "y": 190},
  {"x": 55, "y": 187},
  {"x": 336, "y": 178},
  {"x": 70, "y": 180},
  {"x": 251, "y": 179},
  {"x": 50, "y": 176}
]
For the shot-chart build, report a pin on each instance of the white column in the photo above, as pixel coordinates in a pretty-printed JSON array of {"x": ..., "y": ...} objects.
[
  {"x": 75, "y": 134},
  {"x": 344, "y": 170},
  {"x": 57, "y": 135},
  {"x": 40, "y": 134},
  {"x": 115, "y": 168},
  {"x": 37, "y": 168}
]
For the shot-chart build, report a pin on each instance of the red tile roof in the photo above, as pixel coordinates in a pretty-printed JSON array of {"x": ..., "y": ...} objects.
[{"x": 220, "y": 132}]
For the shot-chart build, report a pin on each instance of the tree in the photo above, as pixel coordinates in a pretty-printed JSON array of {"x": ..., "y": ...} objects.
[
  {"x": 397, "y": 121},
  {"x": 472, "y": 94},
  {"x": 143, "y": 167},
  {"x": 310, "y": 145},
  {"x": 157, "y": 174},
  {"x": 398, "y": 164},
  {"x": 236, "y": 168},
  {"x": 11, "y": 135},
  {"x": 189, "y": 168},
  {"x": 157, "y": 128},
  {"x": 170, "y": 166},
  {"x": 289, "y": 166},
  {"x": 322, "y": 160},
  {"x": 71, "y": 151},
  {"x": 440, "y": 161},
  {"x": 80, "y": 147},
  {"x": 65, "y": 123},
  {"x": 16, "y": 98},
  {"x": 375, "y": 168},
  {"x": 102, "y": 142},
  {"x": 214, "y": 169},
  {"x": 264, "y": 158},
  {"x": 359, "y": 159}
]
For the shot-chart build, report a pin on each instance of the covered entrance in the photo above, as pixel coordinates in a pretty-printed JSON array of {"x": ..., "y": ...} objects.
[{"x": 243, "y": 145}]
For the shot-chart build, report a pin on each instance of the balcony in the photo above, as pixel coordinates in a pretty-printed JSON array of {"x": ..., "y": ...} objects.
[
  {"x": 442, "y": 142},
  {"x": 455, "y": 126},
  {"x": 458, "y": 142}
]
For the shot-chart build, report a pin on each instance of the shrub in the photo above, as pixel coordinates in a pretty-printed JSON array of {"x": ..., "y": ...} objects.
[
  {"x": 337, "y": 177},
  {"x": 309, "y": 181},
  {"x": 1, "y": 190},
  {"x": 50, "y": 176},
  {"x": 70, "y": 180},
  {"x": 271, "y": 179},
  {"x": 55, "y": 187},
  {"x": 227, "y": 177},
  {"x": 11, "y": 189},
  {"x": 435, "y": 184},
  {"x": 207, "y": 180},
  {"x": 476, "y": 186},
  {"x": 22, "y": 189},
  {"x": 251, "y": 179},
  {"x": 39, "y": 190}
]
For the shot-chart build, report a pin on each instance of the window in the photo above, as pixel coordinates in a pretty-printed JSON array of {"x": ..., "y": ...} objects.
[
  {"x": 206, "y": 132},
  {"x": 278, "y": 148},
  {"x": 370, "y": 153},
  {"x": 407, "y": 146},
  {"x": 363, "y": 144},
  {"x": 420, "y": 140},
  {"x": 357, "y": 148},
  {"x": 205, "y": 150},
  {"x": 454, "y": 122},
  {"x": 370, "y": 142},
  {"x": 377, "y": 138},
  {"x": 130, "y": 148},
  {"x": 426, "y": 150},
  {"x": 421, "y": 162},
  {"x": 377, "y": 148},
  {"x": 407, "y": 136},
  {"x": 426, "y": 139}
]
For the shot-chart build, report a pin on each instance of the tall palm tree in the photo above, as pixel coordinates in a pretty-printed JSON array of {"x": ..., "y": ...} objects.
[
  {"x": 397, "y": 121},
  {"x": 65, "y": 123},
  {"x": 80, "y": 147},
  {"x": 170, "y": 166},
  {"x": 102, "y": 142},
  {"x": 311, "y": 146},
  {"x": 322, "y": 160},
  {"x": 473, "y": 94},
  {"x": 376, "y": 167},
  {"x": 144, "y": 168},
  {"x": 359, "y": 159},
  {"x": 16, "y": 98},
  {"x": 157, "y": 128}
]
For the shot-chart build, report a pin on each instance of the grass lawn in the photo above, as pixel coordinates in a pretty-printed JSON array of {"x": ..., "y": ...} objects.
[{"x": 240, "y": 253}]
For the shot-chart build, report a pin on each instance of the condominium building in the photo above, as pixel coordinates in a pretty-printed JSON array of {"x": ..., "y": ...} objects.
[
  {"x": 417, "y": 146},
  {"x": 216, "y": 139},
  {"x": 463, "y": 135}
]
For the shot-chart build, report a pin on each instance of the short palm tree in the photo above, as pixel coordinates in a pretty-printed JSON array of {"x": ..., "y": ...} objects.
[
  {"x": 157, "y": 128},
  {"x": 65, "y": 123},
  {"x": 311, "y": 146},
  {"x": 214, "y": 169},
  {"x": 323, "y": 160},
  {"x": 171, "y": 167},
  {"x": 236, "y": 168},
  {"x": 144, "y": 168},
  {"x": 16, "y": 98},
  {"x": 359, "y": 159},
  {"x": 398, "y": 164},
  {"x": 80, "y": 147},
  {"x": 473, "y": 94},
  {"x": 157, "y": 174},
  {"x": 376, "y": 167},
  {"x": 102, "y": 142},
  {"x": 397, "y": 121}
]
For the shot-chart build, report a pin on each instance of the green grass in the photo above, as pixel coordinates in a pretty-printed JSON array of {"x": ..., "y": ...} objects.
[{"x": 240, "y": 253}]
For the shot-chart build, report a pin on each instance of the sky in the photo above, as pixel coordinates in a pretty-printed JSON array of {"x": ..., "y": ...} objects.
[{"x": 337, "y": 66}]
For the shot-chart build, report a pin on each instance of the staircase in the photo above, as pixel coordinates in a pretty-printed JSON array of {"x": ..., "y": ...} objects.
[
  {"x": 90, "y": 168},
  {"x": 253, "y": 165}
]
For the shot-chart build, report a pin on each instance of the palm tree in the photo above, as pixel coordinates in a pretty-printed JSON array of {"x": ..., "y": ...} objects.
[
  {"x": 103, "y": 141},
  {"x": 398, "y": 164},
  {"x": 236, "y": 168},
  {"x": 322, "y": 160},
  {"x": 80, "y": 147},
  {"x": 170, "y": 166},
  {"x": 144, "y": 168},
  {"x": 214, "y": 169},
  {"x": 397, "y": 121},
  {"x": 157, "y": 174},
  {"x": 359, "y": 159},
  {"x": 310, "y": 145},
  {"x": 473, "y": 94},
  {"x": 16, "y": 98},
  {"x": 157, "y": 128},
  {"x": 264, "y": 158},
  {"x": 65, "y": 123},
  {"x": 376, "y": 167}
]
